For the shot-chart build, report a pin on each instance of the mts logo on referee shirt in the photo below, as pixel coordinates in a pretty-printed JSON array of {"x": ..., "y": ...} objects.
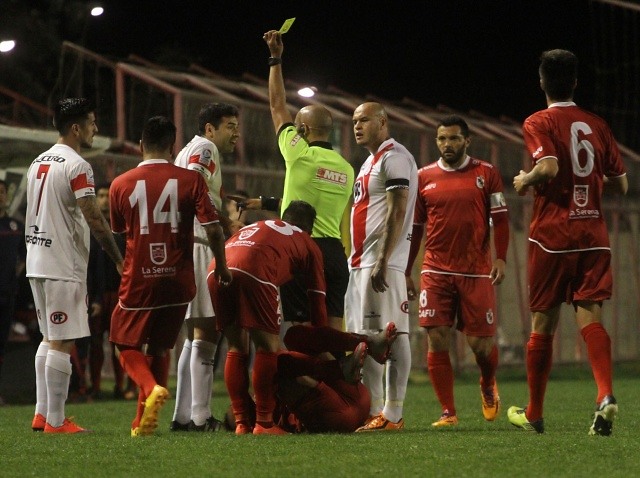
[{"x": 332, "y": 176}]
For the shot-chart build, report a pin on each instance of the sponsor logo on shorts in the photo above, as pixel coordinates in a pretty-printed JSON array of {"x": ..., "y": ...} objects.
[
  {"x": 58, "y": 318},
  {"x": 404, "y": 307},
  {"x": 372, "y": 315},
  {"x": 158, "y": 252},
  {"x": 489, "y": 316}
]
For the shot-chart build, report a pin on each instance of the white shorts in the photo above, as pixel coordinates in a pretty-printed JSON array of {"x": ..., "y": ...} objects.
[
  {"x": 61, "y": 307},
  {"x": 367, "y": 310},
  {"x": 201, "y": 306}
]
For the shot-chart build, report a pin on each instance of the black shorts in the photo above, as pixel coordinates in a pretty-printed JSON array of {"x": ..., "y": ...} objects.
[{"x": 295, "y": 305}]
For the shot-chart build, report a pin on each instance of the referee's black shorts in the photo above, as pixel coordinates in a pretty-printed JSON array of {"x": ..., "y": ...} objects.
[{"x": 295, "y": 305}]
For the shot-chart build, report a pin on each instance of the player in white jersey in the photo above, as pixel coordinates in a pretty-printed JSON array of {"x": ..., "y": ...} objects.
[
  {"x": 61, "y": 210},
  {"x": 218, "y": 133},
  {"x": 381, "y": 223}
]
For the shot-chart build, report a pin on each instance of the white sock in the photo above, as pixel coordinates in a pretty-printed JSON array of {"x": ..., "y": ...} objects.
[
  {"x": 372, "y": 373},
  {"x": 202, "y": 354},
  {"x": 398, "y": 369},
  {"x": 182, "y": 412},
  {"x": 41, "y": 381},
  {"x": 58, "y": 373}
]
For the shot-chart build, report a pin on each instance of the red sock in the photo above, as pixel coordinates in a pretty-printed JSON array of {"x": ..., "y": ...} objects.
[
  {"x": 139, "y": 410},
  {"x": 315, "y": 340},
  {"x": 539, "y": 360},
  {"x": 236, "y": 378},
  {"x": 599, "y": 352},
  {"x": 488, "y": 366},
  {"x": 135, "y": 364},
  {"x": 264, "y": 372},
  {"x": 441, "y": 374}
]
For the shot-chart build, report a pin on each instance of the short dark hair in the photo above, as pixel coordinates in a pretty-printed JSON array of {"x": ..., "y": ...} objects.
[
  {"x": 213, "y": 113},
  {"x": 558, "y": 71},
  {"x": 102, "y": 186},
  {"x": 70, "y": 111},
  {"x": 301, "y": 214},
  {"x": 4, "y": 183},
  {"x": 455, "y": 120},
  {"x": 159, "y": 134}
]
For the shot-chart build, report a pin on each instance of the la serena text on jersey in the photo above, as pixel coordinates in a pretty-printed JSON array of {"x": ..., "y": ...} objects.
[{"x": 158, "y": 271}]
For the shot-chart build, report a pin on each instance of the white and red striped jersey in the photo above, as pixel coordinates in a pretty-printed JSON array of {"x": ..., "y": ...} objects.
[
  {"x": 393, "y": 166},
  {"x": 456, "y": 205},
  {"x": 154, "y": 204},
  {"x": 201, "y": 155},
  {"x": 56, "y": 233}
]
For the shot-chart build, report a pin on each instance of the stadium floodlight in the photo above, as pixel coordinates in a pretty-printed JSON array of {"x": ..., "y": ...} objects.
[
  {"x": 7, "y": 45},
  {"x": 96, "y": 11},
  {"x": 307, "y": 91}
]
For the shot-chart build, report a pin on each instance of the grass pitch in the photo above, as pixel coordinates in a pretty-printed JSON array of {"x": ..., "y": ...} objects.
[{"x": 474, "y": 448}]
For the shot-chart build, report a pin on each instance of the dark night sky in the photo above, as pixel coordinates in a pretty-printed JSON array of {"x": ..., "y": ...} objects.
[{"x": 480, "y": 55}]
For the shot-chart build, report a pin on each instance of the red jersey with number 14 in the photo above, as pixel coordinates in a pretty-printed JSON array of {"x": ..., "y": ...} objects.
[
  {"x": 567, "y": 211},
  {"x": 154, "y": 204}
]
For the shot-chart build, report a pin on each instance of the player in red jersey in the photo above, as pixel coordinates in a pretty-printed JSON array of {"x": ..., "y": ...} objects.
[
  {"x": 154, "y": 205},
  {"x": 574, "y": 158},
  {"x": 263, "y": 256},
  {"x": 458, "y": 198},
  {"x": 320, "y": 393}
]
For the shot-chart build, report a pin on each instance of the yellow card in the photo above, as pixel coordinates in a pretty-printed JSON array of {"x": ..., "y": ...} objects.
[{"x": 286, "y": 25}]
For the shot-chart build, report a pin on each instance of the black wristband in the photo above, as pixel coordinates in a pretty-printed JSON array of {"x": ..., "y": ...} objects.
[
  {"x": 274, "y": 60},
  {"x": 270, "y": 203}
]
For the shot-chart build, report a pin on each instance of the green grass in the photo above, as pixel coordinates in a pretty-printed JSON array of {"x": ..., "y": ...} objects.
[{"x": 475, "y": 448}]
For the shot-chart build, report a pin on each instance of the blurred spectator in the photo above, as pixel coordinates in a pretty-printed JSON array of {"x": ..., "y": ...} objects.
[{"x": 12, "y": 256}]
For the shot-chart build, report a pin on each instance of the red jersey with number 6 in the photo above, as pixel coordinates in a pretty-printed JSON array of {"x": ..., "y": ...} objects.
[
  {"x": 154, "y": 204},
  {"x": 567, "y": 211}
]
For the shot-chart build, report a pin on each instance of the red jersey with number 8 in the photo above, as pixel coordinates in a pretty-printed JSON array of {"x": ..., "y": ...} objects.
[{"x": 155, "y": 204}]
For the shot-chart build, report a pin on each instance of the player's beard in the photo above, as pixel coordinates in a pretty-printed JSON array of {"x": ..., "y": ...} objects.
[{"x": 454, "y": 160}]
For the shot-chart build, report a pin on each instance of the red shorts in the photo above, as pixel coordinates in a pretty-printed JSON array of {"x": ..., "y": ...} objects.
[
  {"x": 555, "y": 278},
  {"x": 446, "y": 297},
  {"x": 246, "y": 302},
  {"x": 157, "y": 327}
]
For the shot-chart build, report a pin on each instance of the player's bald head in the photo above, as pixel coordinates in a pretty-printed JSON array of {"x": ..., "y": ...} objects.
[{"x": 373, "y": 109}]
